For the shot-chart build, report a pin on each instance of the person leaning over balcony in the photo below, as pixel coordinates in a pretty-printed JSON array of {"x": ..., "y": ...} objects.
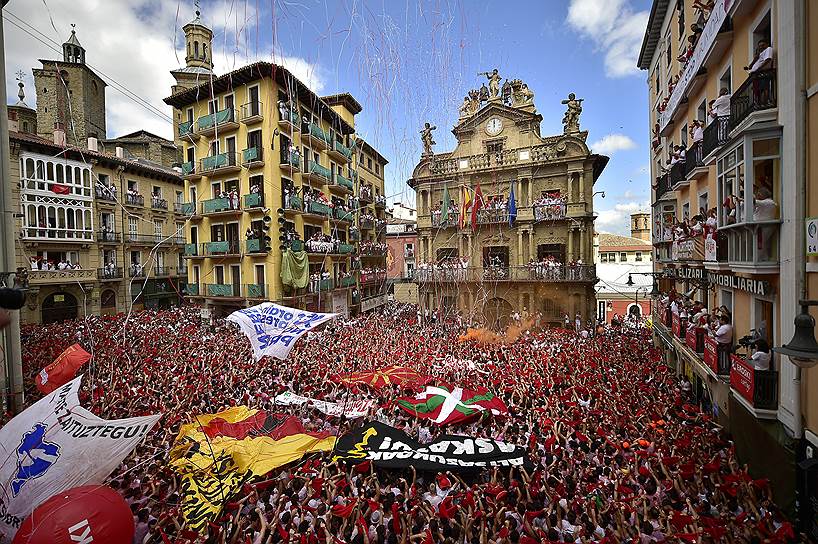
[
  {"x": 720, "y": 107},
  {"x": 697, "y": 131},
  {"x": 763, "y": 58},
  {"x": 761, "y": 355}
]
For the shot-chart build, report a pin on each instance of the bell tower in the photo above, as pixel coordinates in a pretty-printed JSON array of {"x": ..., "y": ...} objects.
[
  {"x": 70, "y": 96},
  {"x": 640, "y": 226},
  {"x": 198, "y": 55}
]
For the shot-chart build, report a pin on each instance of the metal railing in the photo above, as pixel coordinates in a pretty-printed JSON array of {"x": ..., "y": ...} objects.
[
  {"x": 293, "y": 160},
  {"x": 252, "y": 155},
  {"x": 110, "y": 273},
  {"x": 694, "y": 158},
  {"x": 134, "y": 200},
  {"x": 187, "y": 208},
  {"x": 159, "y": 203},
  {"x": 224, "y": 247},
  {"x": 341, "y": 149},
  {"x": 319, "y": 170},
  {"x": 219, "y": 290},
  {"x": 255, "y": 290},
  {"x": 215, "y": 205},
  {"x": 108, "y": 236},
  {"x": 222, "y": 160},
  {"x": 105, "y": 193},
  {"x": 758, "y": 93},
  {"x": 715, "y": 134},
  {"x": 251, "y": 109},
  {"x": 537, "y": 273},
  {"x": 254, "y": 200},
  {"x": 292, "y": 202},
  {"x": 677, "y": 173},
  {"x": 207, "y": 122},
  {"x": 663, "y": 185},
  {"x": 289, "y": 116}
]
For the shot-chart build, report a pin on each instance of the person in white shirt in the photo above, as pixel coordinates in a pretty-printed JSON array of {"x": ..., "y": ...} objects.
[
  {"x": 724, "y": 332},
  {"x": 697, "y": 131},
  {"x": 761, "y": 355},
  {"x": 764, "y": 207},
  {"x": 720, "y": 107},
  {"x": 763, "y": 58}
]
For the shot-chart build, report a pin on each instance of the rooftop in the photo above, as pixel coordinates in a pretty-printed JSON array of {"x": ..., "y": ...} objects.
[
  {"x": 652, "y": 33},
  {"x": 607, "y": 239}
]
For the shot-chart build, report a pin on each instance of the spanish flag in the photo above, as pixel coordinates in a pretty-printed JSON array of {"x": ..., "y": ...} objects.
[
  {"x": 216, "y": 454},
  {"x": 465, "y": 206}
]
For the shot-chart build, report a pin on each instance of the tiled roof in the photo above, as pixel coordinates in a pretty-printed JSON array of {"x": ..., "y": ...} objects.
[{"x": 607, "y": 239}]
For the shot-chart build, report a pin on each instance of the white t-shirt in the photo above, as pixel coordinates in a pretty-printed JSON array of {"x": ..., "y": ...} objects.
[
  {"x": 765, "y": 55},
  {"x": 765, "y": 209},
  {"x": 724, "y": 334},
  {"x": 761, "y": 360},
  {"x": 721, "y": 105},
  {"x": 698, "y": 134}
]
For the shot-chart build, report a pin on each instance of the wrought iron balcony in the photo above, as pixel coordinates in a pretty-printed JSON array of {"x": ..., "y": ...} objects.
[
  {"x": 219, "y": 290},
  {"x": 255, "y": 290},
  {"x": 758, "y": 93},
  {"x": 108, "y": 237},
  {"x": 134, "y": 200},
  {"x": 292, "y": 202},
  {"x": 256, "y": 245},
  {"x": 186, "y": 129},
  {"x": 318, "y": 172},
  {"x": 315, "y": 135},
  {"x": 192, "y": 289},
  {"x": 159, "y": 203},
  {"x": 254, "y": 200},
  {"x": 251, "y": 112},
  {"x": 715, "y": 135},
  {"x": 340, "y": 152},
  {"x": 221, "y": 120},
  {"x": 220, "y": 205},
  {"x": 102, "y": 192},
  {"x": 110, "y": 273},
  {"x": 694, "y": 159},
  {"x": 222, "y": 162},
  {"x": 222, "y": 248},
  {"x": 290, "y": 161}
]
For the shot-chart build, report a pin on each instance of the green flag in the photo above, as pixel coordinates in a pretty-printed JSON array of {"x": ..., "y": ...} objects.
[{"x": 444, "y": 211}]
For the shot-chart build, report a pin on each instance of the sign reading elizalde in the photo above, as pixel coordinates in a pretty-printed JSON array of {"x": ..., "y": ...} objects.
[{"x": 386, "y": 446}]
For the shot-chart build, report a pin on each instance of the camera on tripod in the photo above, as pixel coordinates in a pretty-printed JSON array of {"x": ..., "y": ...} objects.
[{"x": 747, "y": 340}]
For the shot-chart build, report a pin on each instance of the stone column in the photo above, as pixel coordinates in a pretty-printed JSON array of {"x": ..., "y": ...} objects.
[
  {"x": 520, "y": 256},
  {"x": 530, "y": 192},
  {"x": 581, "y": 186},
  {"x": 570, "y": 255},
  {"x": 582, "y": 240},
  {"x": 531, "y": 249}
]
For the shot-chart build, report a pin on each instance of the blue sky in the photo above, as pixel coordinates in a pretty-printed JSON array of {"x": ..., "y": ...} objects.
[{"x": 406, "y": 62}]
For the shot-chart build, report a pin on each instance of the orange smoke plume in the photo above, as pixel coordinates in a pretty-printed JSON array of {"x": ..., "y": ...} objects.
[{"x": 485, "y": 336}]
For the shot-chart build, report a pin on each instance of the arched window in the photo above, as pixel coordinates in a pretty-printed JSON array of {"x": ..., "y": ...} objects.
[
  {"x": 196, "y": 50},
  {"x": 40, "y": 170},
  {"x": 61, "y": 217},
  {"x": 72, "y": 224},
  {"x": 25, "y": 126},
  {"x": 60, "y": 174},
  {"x": 87, "y": 225},
  {"x": 204, "y": 51},
  {"x": 188, "y": 49},
  {"x": 49, "y": 171},
  {"x": 30, "y": 168},
  {"x": 31, "y": 215}
]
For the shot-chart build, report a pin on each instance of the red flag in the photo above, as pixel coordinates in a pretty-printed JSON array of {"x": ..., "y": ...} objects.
[
  {"x": 60, "y": 189},
  {"x": 62, "y": 370},
  {"x": 476, "y": 207}
]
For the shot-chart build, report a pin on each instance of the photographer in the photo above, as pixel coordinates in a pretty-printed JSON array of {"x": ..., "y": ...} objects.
[{"x": 761, "y": 355}]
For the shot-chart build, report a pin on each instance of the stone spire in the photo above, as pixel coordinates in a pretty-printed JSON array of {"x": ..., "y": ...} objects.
[{"x": 21, "y": 93}]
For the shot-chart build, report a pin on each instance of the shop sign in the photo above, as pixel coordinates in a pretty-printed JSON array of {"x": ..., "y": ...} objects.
[
  {"x": 812, "y": 236},
  {"x": 755, "y": 287},
  {"x": 742, "y": 377},
  {"x": 710, "y": 249}
]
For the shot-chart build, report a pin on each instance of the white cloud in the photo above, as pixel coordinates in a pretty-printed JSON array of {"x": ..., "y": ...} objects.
[
  {"x": 612, "y": 143},
  {"x": 617, "y": 219},
  {"x": 614, "y": 28},
  {"x": 138, "y": 50}
]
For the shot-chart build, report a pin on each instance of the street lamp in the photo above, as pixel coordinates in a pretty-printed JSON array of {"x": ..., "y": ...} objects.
[{"x": 802, "y": 349}]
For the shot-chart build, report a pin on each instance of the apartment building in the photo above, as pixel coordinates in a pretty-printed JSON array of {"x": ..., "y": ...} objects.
[
  {"x": 284, "y": 201},
  {"x": 731, "y": 114}
]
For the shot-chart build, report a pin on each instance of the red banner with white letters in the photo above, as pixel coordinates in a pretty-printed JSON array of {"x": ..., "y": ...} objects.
[
  {"x": 711, "y": 353},
  {"x": 742, "y": 377}
]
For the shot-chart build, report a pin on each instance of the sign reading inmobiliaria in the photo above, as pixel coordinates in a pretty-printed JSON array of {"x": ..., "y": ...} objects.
[
  {"x": 273, "y": 329},
  {"x": 56, "y": 444},
  {"x": 386, "y": 446}
]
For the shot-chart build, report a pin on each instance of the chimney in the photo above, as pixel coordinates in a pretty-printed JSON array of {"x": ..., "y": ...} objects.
[
  {"x": 59, "y": 134},
  {"x": 120, "y": 152},
  {"x": 93, "y": 144}
]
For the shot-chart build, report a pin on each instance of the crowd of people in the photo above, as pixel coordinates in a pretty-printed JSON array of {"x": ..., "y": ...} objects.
[
  {"x": 39, "y": 263},
  {"x": 617, "y": 451},
  {"x": 549, "y": 206}
]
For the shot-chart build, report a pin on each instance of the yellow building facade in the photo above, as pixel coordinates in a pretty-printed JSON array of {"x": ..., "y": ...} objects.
[
  {"x": 730, "y": 195},
  {"x": 492, "y": 268},
  {"x": 271, "y": 169}
]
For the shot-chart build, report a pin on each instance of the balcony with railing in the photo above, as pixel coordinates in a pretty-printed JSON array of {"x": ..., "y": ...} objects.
[
  {"x": 189, "y": 170},
  {"x": 186, "y": 130},
  {"x": 365, "y": 194},
  {"x": 316, "y": 208},
  {"x": 110, "y": 273},
  {"x": 252, "y": 112},
  {"x": 162, "y": 271},
  {"x": 492, "y": 216},
  {"x": 252, "y": 157},
  {"x": 288, "y": 119},
  {"x": 340, "y": 184},
  {"x": 694, "y": 163},
  {"x": 372, "y": 277},
  {"x": 314, "y": 135},
  {"x": 757, "y": 94},
  {"x": 663, "y": 185},
  {"x": 533, "y": 273},
  {"x": 255, "y": 290},
  {"x": 224, "y": 248},
  {"x": 366, "y": 223},
  {"x": 220, "y": 290},
  {"x": 549, "y": 212},
  {"x": 47, "y": 277},
  {"x": 225, "y": 205},
  {"x": 105, "y": 193},
  {"x": 677, "y": 174},
  {"x": 108, "y": 237},
  {"x": 317, "y": 173},
  {"x": 292, "y": 203},
  {"x": 290, "y": 162},
  {"x": 320, "y": 285},
  {"x": 184, "y": 208},
  {"x": 253, "y": 200},
  {"x": 759, "y": 388},
  {"x": 380, "y": 202},
  {"x": 158, "y": 203},
  {"x": 191, "y": 289},
  {"x": 135, "y": 200},
  {"x": 137, "y": 270},
  {"x": 136, "y": 238},
  {"x": 439, "y": 222},
  {"x": 344, "y": 215},
  {"x": 340, "y": 152},
  {"x": 716, "y": 134},
  {"x": 256, "y": 246},
  {"x": 220, "y": 163},
  {"x": 191, "y": 250},
  {"x": 346, "y": 249},
  {"x": 347, "y": 281},
  {"x": 222, "y": 121}
]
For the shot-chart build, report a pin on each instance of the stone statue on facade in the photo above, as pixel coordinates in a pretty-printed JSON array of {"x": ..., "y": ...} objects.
[
  {"x": 483, "y": 94},
  {"x": 465, "y": 108},
  {"x": 507, "y": 93},
  {"x": 571, "y": 118},
  {"x": 494, "y": 83},
  {"x": 521, "y": 95},
  {"x": 427, "y": 139}
]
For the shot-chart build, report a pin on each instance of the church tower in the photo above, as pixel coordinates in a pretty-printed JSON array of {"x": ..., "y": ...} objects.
[
  {"x": 198, "y": 56},
  {"x": 70, "y": 96},
  {"x": 640, "y": 226}
]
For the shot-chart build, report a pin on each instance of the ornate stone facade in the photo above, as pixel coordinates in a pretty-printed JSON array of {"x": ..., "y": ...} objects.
[{"x": 542, "y": 261}]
